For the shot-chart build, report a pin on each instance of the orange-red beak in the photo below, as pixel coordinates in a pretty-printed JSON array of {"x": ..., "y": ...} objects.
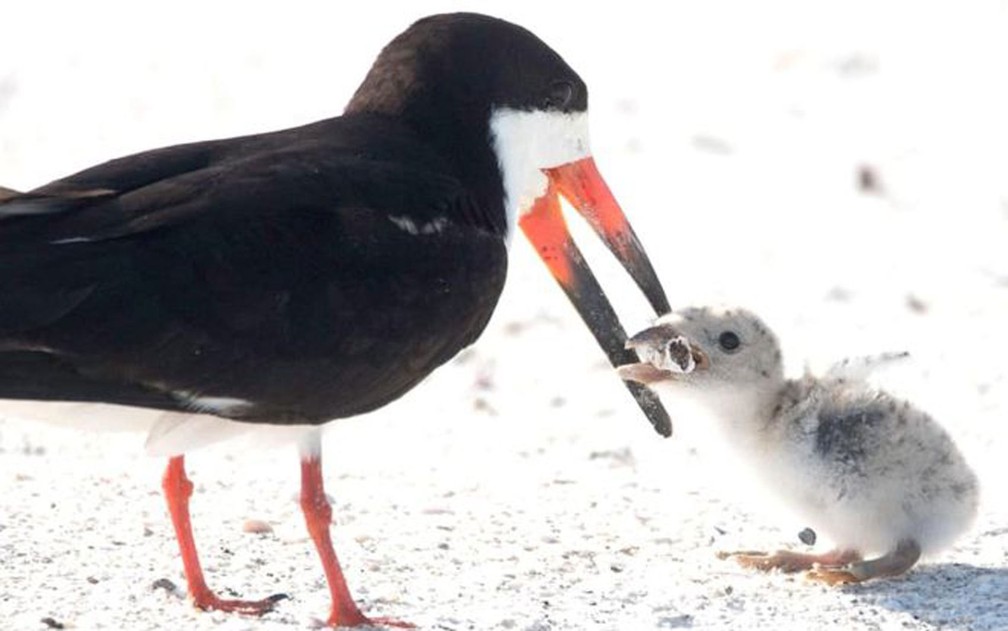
[{"x": 582, "y": 185}]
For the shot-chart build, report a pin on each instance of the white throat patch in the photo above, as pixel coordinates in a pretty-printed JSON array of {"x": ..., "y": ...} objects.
[{"x": 526, "y": 143}]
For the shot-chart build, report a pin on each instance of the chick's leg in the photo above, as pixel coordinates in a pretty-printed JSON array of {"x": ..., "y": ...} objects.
[
  {"x": 893, "y": 563},
  {"x": 789, "y": 562}
]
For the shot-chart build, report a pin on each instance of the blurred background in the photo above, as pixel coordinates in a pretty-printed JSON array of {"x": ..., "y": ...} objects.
[
  {"x": 841, "y": 168},
  {"x": 845, "y": 145}
]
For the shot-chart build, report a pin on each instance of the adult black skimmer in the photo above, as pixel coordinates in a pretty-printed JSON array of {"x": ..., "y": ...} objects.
[
  {"x": 314, "y": 273},
  {"x": 871, "y": 472}
]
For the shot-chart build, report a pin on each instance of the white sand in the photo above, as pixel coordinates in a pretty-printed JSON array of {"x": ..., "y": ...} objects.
[{"x": 519, "y": 487}]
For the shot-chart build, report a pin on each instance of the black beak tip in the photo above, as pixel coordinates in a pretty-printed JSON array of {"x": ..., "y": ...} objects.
[
  {"x": 660, "y": 303},
  {"x": 652, "y": 407}
]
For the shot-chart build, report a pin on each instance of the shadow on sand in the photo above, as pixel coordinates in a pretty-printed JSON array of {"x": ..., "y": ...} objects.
[{"x": 945, "y": 595}]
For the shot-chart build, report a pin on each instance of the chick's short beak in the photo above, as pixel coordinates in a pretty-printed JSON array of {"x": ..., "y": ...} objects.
[{"x": 643, "y": 373}]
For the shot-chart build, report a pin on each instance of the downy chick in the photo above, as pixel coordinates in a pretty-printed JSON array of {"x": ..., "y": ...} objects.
[{"x": 871, "y": 472}]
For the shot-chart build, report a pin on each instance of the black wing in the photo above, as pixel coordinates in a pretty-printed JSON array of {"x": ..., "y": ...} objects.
[{"x": 305, "y": 271}]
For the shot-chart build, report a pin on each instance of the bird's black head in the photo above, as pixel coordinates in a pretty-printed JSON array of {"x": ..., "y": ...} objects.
[
  {"x": 448, "y": 76},
  {"x": 510, "y": 117},
  {"x": 467, "y": 64}
]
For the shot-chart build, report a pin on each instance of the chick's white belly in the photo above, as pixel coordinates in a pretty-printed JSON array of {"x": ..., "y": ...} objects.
[{"x": 904, "y": 479}]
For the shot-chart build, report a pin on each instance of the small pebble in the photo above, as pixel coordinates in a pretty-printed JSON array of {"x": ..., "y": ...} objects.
[
  {"x": 256, "y": 526},
  {"x": 868, "y": 180},
  {"x": 915, "y": 304},
  {"x": 165, "y": 584},
  {"x": 807, "y": 536}
]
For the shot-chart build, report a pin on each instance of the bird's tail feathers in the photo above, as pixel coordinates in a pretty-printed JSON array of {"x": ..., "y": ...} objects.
[{"x": 7, "y": 193}]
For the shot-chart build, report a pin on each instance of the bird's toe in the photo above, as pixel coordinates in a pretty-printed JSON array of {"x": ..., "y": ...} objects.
[{"x": 832, "y": 576}]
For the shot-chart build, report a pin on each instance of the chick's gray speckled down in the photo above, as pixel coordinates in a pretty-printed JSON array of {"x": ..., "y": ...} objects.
[{"x": 869, "y": 471}]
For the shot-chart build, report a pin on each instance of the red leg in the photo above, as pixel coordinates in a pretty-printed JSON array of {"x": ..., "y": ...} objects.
[
  {"x": 318, "y": 516},
  {"x": 177, "y": 489}
]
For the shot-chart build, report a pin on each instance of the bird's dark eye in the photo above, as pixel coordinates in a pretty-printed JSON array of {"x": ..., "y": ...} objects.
[
  {"x": 729, "y": 341},
  {"x": 560, "y": 95}
]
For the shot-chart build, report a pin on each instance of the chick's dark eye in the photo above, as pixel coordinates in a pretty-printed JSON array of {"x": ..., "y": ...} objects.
[
  {"x": 729, "y": 341},
  {"x": 560, "y": 95}
]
